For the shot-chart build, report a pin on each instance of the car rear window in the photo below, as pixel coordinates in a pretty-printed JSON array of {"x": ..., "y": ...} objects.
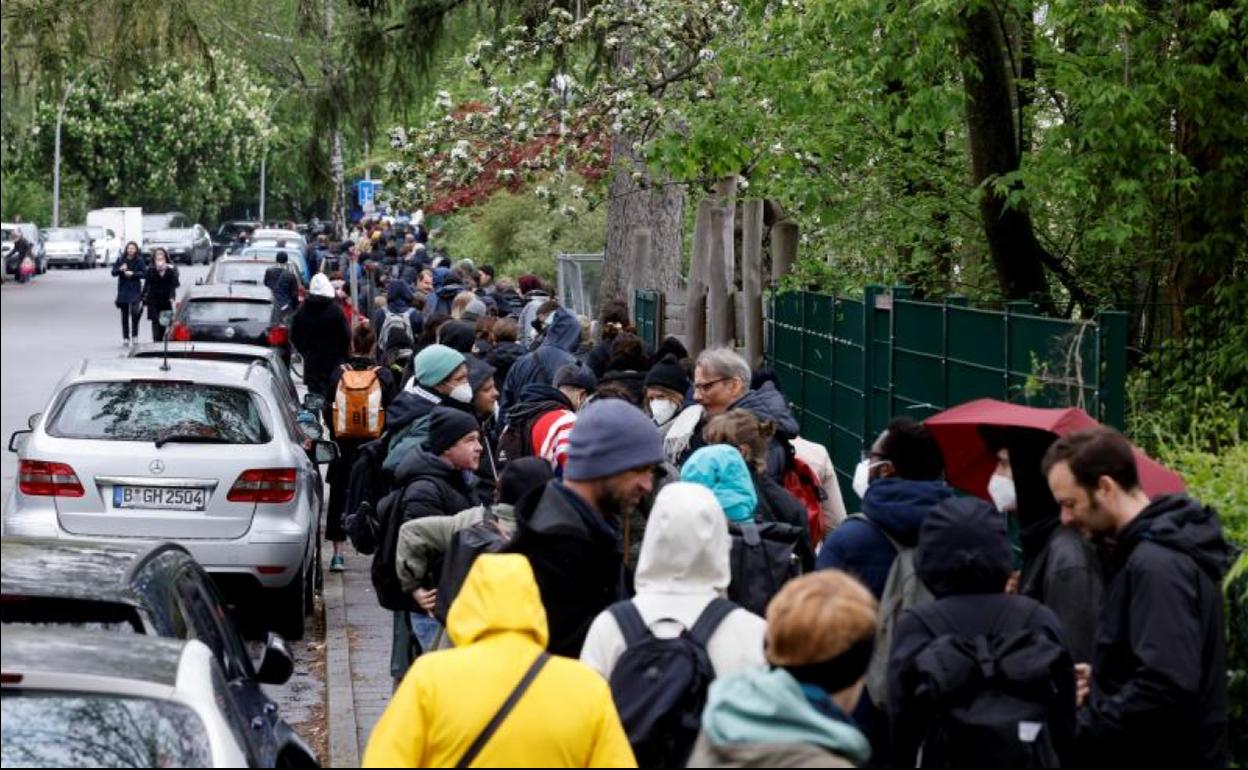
[
  {"x": 226, "y": 311},
  {"x": 241, "y": 272},
  {"x": 59, "y": 729},
  {"x": 145, "y": 410},
  {"x": 49, "y": 611}
]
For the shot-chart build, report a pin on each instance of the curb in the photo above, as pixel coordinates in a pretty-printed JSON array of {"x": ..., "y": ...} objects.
[{"x": 344, "y": 750}]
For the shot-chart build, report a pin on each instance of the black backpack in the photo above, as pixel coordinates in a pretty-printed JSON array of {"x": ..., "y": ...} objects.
[
  {"x": 390, "y": 593},
  {"x": 486, "y": 536},
  {"x": 367, "y": 483},
  {"x": 660, "y": 685},
  {"x": 993, "y": 700},
  {"x": 762, "y": 560}
]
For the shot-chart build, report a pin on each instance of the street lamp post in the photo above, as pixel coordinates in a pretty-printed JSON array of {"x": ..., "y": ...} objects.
[
  {"x": 264, "y": 154},
  {"x": 56, "y": 155}
]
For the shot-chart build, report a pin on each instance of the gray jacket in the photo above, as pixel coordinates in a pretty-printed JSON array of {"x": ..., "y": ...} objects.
[{"x": 422, "y": 540}]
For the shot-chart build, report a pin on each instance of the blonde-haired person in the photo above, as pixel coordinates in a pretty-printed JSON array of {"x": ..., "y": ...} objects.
[{"x": 794, "y": 712}]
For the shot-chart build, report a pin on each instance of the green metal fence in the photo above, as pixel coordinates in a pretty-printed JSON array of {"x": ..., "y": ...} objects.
[
  {"x": 648, "y": 316},
  {"x": 849, "y": 365}
]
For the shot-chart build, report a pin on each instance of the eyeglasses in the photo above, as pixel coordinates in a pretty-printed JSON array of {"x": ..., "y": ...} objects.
[{"x": 702, "y": 387}]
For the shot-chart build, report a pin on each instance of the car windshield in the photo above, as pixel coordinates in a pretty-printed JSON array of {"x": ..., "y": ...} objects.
[
  {"x": 44, "y": 611},
  {"x": 45, "y": 728},
  {"x": 154, "y": 410},
  {"x": 241, "y": 272},
  {"x": 61, "y": 234},
  {"x": 227, "y": 311}
]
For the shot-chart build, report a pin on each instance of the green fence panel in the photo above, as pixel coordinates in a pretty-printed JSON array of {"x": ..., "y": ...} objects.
[{"x": 648, "y": 316}]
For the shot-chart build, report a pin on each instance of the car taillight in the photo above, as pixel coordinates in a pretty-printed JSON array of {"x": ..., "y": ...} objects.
[
  {"x": 264, "y": 485},
  {"x": 278, "y": 336},
  {"x": 181, "y": 333},
  {"x": 42, "y": 479}
]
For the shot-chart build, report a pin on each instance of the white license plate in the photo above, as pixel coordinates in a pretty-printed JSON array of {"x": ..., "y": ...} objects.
[{"x": 164, "y": 498}]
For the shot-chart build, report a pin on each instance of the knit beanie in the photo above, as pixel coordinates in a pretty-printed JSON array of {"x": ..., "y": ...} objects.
[
  {"x": 611, "y": 437},
  {"x": 435, "y": 363},
  {"x": 478, "y": 372},
  {"x": 447, "y": 426},
  {"x": 576, "y": 376},
  {"x": 668, "y": 373},
  {"x": 721, "y": 469}
]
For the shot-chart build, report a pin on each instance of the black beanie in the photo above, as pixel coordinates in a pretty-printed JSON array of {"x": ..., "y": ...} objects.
[
  {"x": 447, "y": 426},
  {"x": 521, "y": 477},
  {"x": 668, "y": 373}
]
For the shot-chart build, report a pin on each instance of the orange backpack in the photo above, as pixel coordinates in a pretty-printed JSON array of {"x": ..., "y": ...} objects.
[{"x": 358, "y": 413}]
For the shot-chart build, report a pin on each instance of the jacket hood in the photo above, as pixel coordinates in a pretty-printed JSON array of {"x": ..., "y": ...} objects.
[
  {"x": 768, "y": 706},
  {"x": 767, "y": 403},
  {"x": 537, "y": 392},
  {"x": 899, "y": 505},
  {"x": 686, "y": 546},
  {"x": 963, "y": 548},
  {"x": 413, "y": 403},
  {"x": 425, "y": 465},
  {"x": 399, "y": 297},
  {"x": 563, "y": 332},
  {"x": 499, "y": 596},
  {"x": 721, "y": 469},
  {"x": 557, "y": 510},
  {"x": 1181, "y": 524},
  {"x": 449, "y": 291}
]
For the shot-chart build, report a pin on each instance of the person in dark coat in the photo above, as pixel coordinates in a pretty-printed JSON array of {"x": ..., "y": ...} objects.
[
  {"x": 628, "y": 365},
  {"x": 435, "y": 483},
  {"x": 536, "y": 368},
  {"x": 130, "y": 271},
  {"x": 963, "y": 557},
  {"x": 160, "y": 289},
  {"x": 612, "y": 321},
  {"x": 319, "y": 332},
  {"x": 505, "y": 350},
  {"x": 283, "y": 283},
  {"x": 557, "y": 327},
  {"x": 1060, "y": 569},
  {"x": 399, "y": 297},
  {"x": 363, "y": 344},
  {"x": 1156, "y": 691},
  {"x": 458, "y": 335},
  {"x": 572, "y": 535},
  {"x": 485, "y": 405}
]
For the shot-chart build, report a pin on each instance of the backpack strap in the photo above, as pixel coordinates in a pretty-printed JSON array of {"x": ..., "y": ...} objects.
[
  {"x": 878, "y": 528},
  {"x": 709, "y": 620},
  {"x": 631, "y": 624},
  {"x": 503, "y": 711}
]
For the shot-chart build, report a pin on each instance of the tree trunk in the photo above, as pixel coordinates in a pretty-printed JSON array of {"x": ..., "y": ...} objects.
[
  {"x": 1016, "y": 254},
  {"x": 336, "y": 166},
  {"x": 651, "y": 204}
]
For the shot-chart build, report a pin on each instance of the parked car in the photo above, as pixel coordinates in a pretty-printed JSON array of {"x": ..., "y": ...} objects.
[
  {"x": 174, "y": 232},
  {"x": 199, "y": 452},
  {"x": 230, "y": 269},
  {"x": 68, "y": 247},
  {"x": 231, "y": 353},
  {"x": 231, "y": 313},
  {"x": 105, "y": 243},
  {"x": 226, "y": 232},
  {"x": 31, "y": 234},
  {"x": 269, "y": 252},
  {"x": 82, "y": 699},
  {"x": 155, "y": 590},
  {"x": 273, "y": 235}
]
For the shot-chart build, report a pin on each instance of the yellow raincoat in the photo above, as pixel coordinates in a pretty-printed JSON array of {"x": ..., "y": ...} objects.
[{"x": 565, "y": 719}]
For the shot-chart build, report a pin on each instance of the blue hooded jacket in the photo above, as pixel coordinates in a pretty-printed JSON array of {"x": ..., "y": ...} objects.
[
  {"x": 897, "y": 506},
  {"x": 399, "y": 300},
  {"x": 538, "y": 367},
  {"x": 563, "y": 331}
]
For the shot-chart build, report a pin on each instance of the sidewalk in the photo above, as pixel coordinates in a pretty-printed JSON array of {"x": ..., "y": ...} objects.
[{"x": 357, "y": 641}]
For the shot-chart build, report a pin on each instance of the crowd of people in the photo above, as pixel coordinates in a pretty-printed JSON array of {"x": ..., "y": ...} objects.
[{"x": 602, "y": 554}]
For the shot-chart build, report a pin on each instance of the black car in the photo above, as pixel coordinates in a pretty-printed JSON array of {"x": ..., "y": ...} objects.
[
  {"x": 152, "y": 590},
  {"x": 227, "y": 232},
  {"x": 231, "y": 313}
]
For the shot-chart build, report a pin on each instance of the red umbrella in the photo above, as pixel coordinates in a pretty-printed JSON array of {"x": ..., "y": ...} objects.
[{"x": 969, "y": 462}]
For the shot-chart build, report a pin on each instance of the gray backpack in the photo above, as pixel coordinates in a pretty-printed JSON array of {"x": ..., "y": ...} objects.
[{"x": 902, "y": 590}]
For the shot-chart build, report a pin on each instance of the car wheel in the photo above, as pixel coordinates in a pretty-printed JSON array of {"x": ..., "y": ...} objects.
[{"x": 291, "y": 618}]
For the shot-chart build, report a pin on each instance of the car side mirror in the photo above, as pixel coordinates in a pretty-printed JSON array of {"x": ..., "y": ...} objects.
[
  {"x": 310, "y": 424},
  {"x": 33, "y": 420},
  {"x": 277, "y": 665},
  {"x": 19, "y": 439},
  {"x": 325, "y": 452},
  {"x": 314, "y": 402}
]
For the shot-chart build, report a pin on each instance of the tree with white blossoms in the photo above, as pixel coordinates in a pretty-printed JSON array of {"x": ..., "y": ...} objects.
[
  {"x": 623, "y": 70},
  {"x": 166, "y": 141}
]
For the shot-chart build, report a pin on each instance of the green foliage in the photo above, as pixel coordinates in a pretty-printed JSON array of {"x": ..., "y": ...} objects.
[{"x": 521, "y": 233}]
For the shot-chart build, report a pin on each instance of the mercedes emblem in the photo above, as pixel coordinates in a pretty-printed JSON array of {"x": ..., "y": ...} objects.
[
  {"x": 229, "y": 331},
  {"x": 157, "y": 466}
]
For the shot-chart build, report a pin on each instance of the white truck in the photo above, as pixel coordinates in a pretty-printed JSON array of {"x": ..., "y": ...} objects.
[{"x": 125, "y": 222}]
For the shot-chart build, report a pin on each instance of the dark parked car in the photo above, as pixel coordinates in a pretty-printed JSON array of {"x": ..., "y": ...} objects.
[
  {"x": 231, "y": 313},
  {"x": 152, "y": 590},
  {"x": 226, "y": 232}
]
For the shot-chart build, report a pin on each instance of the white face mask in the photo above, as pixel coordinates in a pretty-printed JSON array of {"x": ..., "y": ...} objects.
[
  {"x": 662, "y": 410},
  {"x": 1001, "y": 490},
  {"x": 462, "y": 393},
  {"x": 496, "y": 410},
  {"x": 862, "y": 476}
]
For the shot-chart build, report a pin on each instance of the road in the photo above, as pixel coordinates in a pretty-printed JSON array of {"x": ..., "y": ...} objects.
[{"x": 47, "y": 327}]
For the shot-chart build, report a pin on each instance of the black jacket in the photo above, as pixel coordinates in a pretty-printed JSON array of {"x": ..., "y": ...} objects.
[
  {"x": 502, "y": 356},
  {"x": 1065, "y": 576},
  {"x": 1159, "y": 694},
  {"x": 130, "y": 290},
  {"x": 319, "y": 332},
  {"x": 963, "y": 557},
  {"x": 599, "y": 358},
  {"x": 284, "y": 285},
  {"x": 576, "y": 558},
  {"x": 431, "y": 487},
  {"x": 634, "y": 380},
  {"x": 776, "y": 504},
  {"x": 159, "y": 291}
]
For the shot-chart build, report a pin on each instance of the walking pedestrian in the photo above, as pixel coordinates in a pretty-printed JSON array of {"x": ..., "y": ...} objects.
[
  {"x": 20, "y": 257},
  {"x": 505, "y": 350},
  {"x": 130, "y": 271},
  {"x": 935, "y": 691},
  {"x": 160, "y": 289},
  {"x": 283, "y": 283},
  {"x": 1156, "y": 691},
  {"x": 794, "y": 713},
  {"x": 320, "y": 333},
  {"x": 572, "y": 534},
  {"x": 539, "y": 425},
  {"x": 499, "y": 699}
]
